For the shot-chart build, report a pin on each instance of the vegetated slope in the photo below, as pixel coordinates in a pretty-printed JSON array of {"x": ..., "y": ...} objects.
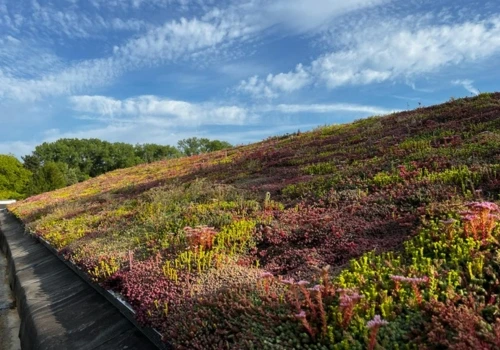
[{"x": 236, "y": 249}]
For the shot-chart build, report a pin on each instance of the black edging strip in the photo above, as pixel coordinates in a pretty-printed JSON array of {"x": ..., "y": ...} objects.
[{"x": 149, "y": 332}]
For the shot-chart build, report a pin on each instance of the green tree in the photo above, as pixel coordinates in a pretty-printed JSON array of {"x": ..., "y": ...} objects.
[
  {"x": 121, "y": 155},
  {"x": 14, "y": 178},
  {"x": 87, "y": 157},
  {"x": 217, "y": 145},
  {"x": 31, "y": 162},
  {"x": 150, "y": 152},
  {"x": 71, "y": 175},
  {"x": 48, "y": 177},
  {"x": 194, "y": 145}
]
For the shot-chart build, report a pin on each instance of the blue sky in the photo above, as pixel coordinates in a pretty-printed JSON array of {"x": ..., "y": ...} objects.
[{"x": 143, "y": 71}]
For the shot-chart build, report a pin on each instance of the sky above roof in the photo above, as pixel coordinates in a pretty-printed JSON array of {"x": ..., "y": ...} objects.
[{"x": 157, "y": 71}]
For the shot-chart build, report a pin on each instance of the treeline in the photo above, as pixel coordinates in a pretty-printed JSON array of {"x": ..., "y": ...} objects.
[{"x": 68, "y": 161}]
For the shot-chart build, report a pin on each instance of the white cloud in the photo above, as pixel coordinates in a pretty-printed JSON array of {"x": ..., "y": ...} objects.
[
  {"x": 233, "y": 115},
  {"x": 26, "y": 58},
  {"x": 147, "y": 109},
  {"x": 292, "y": 15},
  {"x": 467, "y": 84},
  {"x": 169, "y": 42},
  {"x": 210, "y": 34},
  {"x": 282, "y": 82},
  {"x": 66, "y": 81},
  {"x": 257, "y": 88},
  {"x": 376, "y": 56},
  {"x": 326, "y": 108},
  {"x": 68, "y": 20},
  {"x": 177, "y": 38},
  {"x": 102, "y": 105},
  {"x": 158, "y": 112}
]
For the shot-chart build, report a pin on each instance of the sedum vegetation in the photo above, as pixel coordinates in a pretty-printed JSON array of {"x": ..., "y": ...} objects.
[{"x": 381, "y": 233}]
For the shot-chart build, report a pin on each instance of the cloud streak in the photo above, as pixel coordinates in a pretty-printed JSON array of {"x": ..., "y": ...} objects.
[
  {"x": 169, "y": 112},
  {"x": 467, "y": 84},
  {"x": 211, "y": 33},
  {"x": 326, "y": 108},
  {"x": 376, "y": 57},
  {"x": 153, "y": 108}
]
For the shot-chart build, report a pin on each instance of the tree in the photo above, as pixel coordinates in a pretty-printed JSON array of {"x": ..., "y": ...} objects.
[
  {"x": 217, "y": 145},
  {"x": 31, "y": 162},
  {"x": 150, "y": 152},
  {"x": 194, "y": 145},
  {"x": 48, "y": 177},
  {"x": 14, "y": 178},
  {"x": 84, "y": 157},
  {"x": 71, "y": 175}
]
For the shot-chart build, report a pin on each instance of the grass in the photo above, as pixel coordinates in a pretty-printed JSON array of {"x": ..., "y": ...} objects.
[{"x": 351, "y": 236}]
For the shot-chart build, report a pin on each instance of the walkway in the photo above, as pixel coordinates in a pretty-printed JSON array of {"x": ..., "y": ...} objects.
[
  {"x": 9, "y": 319},
  {"x": 58, "y": 309}
]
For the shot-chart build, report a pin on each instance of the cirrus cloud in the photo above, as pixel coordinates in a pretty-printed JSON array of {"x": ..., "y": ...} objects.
[{"x": 381, "y": 56}]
